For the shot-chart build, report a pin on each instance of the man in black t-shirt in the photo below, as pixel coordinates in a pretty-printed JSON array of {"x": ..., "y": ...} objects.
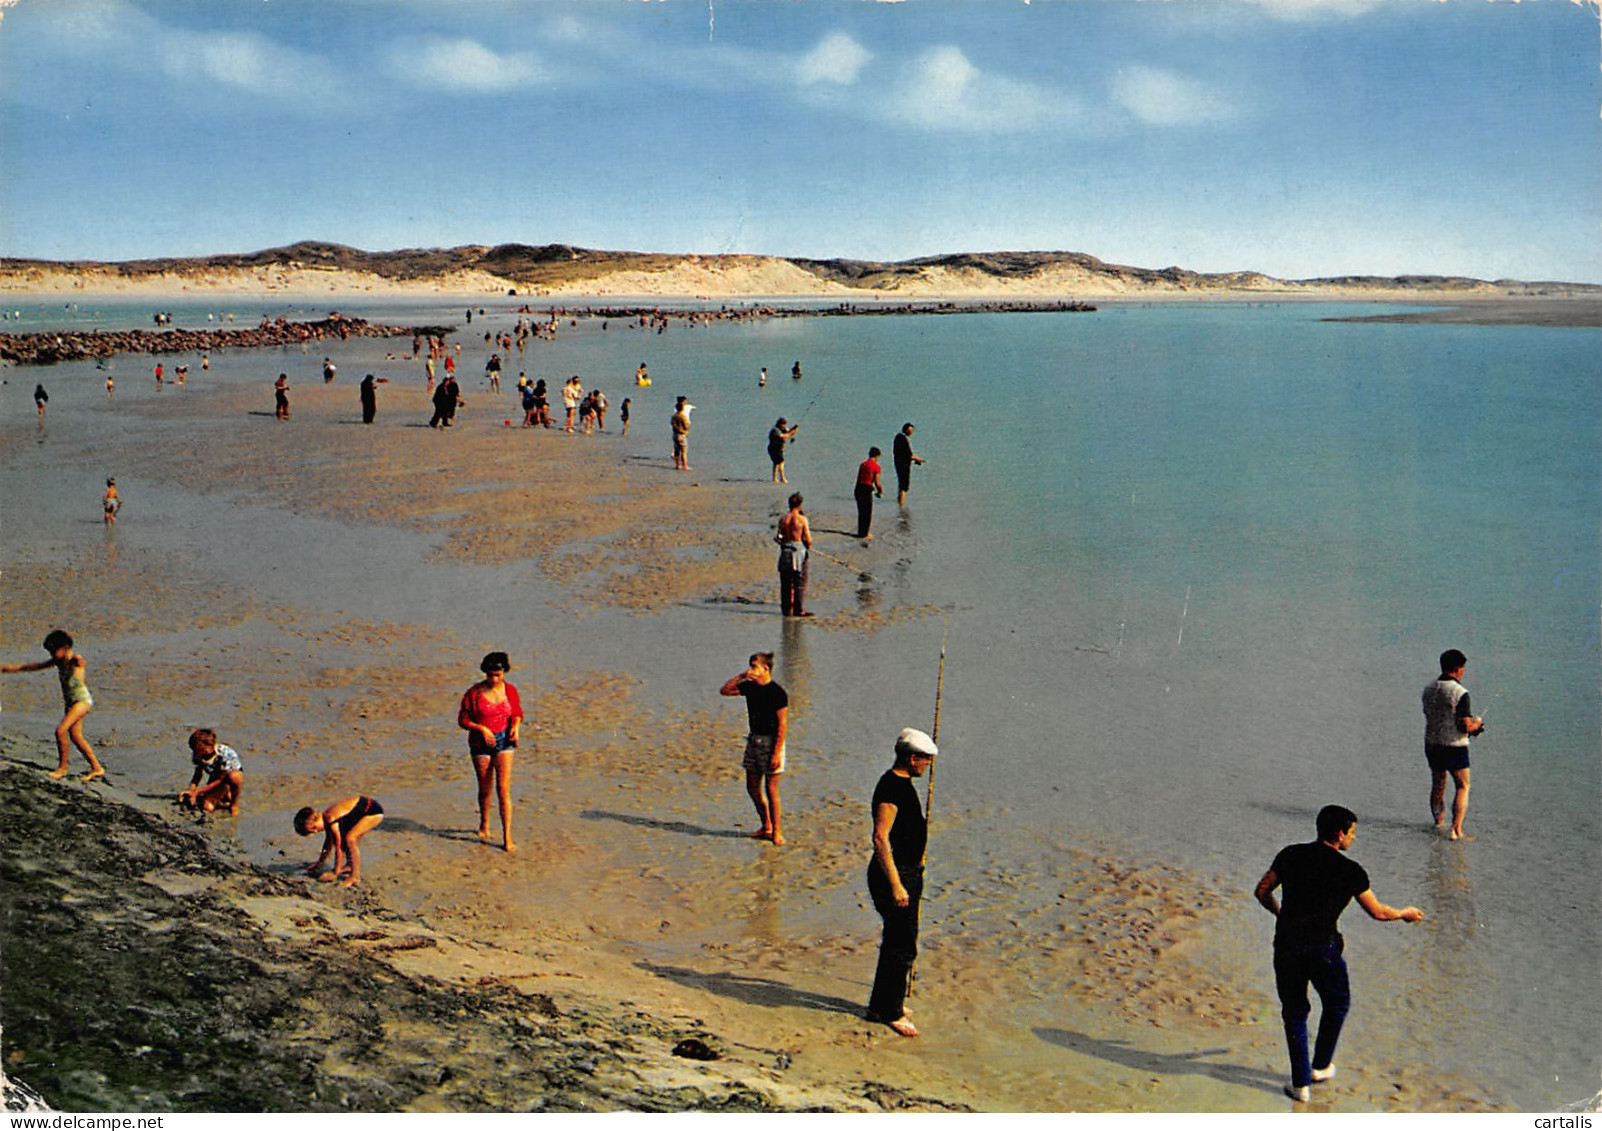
[
  {"x": 1318, "y": 882},
  {"x": 902, "y": 455},
  {"x": 767, "y": 708},
  {"x": 895, "y": 877}
]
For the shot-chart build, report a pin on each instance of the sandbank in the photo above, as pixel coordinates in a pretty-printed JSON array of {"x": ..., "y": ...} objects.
[{"x": 636, "y": 914}]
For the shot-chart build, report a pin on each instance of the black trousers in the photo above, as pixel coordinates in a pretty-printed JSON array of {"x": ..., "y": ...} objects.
[
  {"x": 898, "y": 949},
  {"x": 864, "y": 509},
  {"x": 793, "y": 589}
]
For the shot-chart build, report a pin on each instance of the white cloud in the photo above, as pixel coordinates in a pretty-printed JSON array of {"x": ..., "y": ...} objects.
[
  {"x": 942, "y": 90},
  {"x": 244, "y": 61},
  {"x": 1304, "y": 10},
  {"x": 837, "y": 59},
  {"x": 463, "y": 65},
  {"x": 123, "y": 36},
  {"x": 1163, "y": 98}
]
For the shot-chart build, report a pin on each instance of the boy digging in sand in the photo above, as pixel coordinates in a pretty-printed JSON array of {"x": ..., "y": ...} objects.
[
  {"x": 343, "y": 824},
  {"x": 222, "y": 769},
  {"x": 76, "y": 700}
]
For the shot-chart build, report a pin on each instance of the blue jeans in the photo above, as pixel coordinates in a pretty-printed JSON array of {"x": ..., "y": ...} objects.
[{"x": 1322, "y": 965}]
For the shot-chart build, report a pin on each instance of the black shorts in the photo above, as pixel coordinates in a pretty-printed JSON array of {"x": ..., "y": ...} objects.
[{"x": 1444, "y": 759}]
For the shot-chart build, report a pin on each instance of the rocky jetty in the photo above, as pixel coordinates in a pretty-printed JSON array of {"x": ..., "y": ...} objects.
[{"x": 78, "y": 345}]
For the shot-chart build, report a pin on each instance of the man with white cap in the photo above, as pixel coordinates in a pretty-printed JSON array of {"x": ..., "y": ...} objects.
[{"x": 895, "y": 877}]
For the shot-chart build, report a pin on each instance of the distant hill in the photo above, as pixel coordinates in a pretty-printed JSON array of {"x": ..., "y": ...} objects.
[{"x": 561, "y": 269}]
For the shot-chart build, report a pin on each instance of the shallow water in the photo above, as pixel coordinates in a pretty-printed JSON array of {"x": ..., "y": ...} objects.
[{"x": 1198, "y": 562}]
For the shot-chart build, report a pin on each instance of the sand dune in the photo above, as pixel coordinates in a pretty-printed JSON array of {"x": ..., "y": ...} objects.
[{"x": 559, "y": 271}]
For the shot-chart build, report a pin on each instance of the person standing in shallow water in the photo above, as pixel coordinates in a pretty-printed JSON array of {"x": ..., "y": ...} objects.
[
  {"x": 76, "y": 700},
  {"x": 895, "y": 877},
  {"x": 679, "y": 425},
  {"x": 492, "y": 714},
  {"x": 779, "y": 435},
  {"x": 1319, "y": 881},
  {"x": 868, "y": 487},
  {"x": 902, "y": 455},
  {"x": 1448, "y": 723},
  {"x": 794, "y": 537},
  {"x": 767, "y": 708}
]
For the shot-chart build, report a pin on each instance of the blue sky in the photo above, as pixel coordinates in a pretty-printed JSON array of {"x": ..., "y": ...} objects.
[{"x": 1298, "y": 137}]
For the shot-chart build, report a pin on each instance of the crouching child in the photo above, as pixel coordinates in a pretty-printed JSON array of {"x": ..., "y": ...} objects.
[
  {"x": 222, "y": 770},
  {"x": 343, "y": 824}
]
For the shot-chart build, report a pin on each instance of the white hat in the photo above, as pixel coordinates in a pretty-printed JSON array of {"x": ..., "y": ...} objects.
[{"x": 913, "y": 741}]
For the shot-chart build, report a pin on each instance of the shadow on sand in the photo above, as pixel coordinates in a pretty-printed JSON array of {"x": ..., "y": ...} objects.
[
  {"x": 752, "y": 991},
  {"x": 664, "y": 826},
  {"x": 394, "y": 824},
  {"x": 1162, "y": 1064}
]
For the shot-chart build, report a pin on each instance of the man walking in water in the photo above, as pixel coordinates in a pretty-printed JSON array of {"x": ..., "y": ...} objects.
[
  {"x": 1319, "y": 881},
  {"x": 1448, "y": 723},
  {"x": 795, "y": 544},
  {"x": 895, "y": 877},
  {"x": 902, "y": 456}
]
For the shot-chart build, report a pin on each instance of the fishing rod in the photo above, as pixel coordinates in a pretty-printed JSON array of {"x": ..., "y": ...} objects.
[
  {"x": 940, "y": 686},
  {"x": 928, "y": 814},
  {"x": 841, "y": 564},
  {"x": 824, "y": 384}
]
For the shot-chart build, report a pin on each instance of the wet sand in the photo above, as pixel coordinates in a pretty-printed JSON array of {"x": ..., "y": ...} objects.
[
  {"x": 1532, "y": 311},
  {"x": 636, "y": 913}
]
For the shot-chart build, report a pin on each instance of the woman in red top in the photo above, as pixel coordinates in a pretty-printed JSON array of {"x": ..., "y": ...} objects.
[
  {"x": 868, "y": 485},
  {"x": 491, "y": 714}
]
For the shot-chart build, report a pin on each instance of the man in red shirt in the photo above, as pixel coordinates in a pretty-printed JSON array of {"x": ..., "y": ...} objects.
[{"x": 868, "y": 486}]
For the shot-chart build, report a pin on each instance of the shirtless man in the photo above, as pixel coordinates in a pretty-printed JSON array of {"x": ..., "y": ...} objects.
[
  {"x": 795, "y": 545},
  {"x": 679, "y": 423}
]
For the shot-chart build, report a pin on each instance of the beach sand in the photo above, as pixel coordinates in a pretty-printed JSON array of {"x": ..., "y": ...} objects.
[{"x": 635, "y": 914}]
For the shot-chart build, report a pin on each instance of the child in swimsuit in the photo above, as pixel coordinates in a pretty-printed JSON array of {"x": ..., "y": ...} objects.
[
  {"x": 343, "y": 824},
  {"x": 111, "y": 502},
  {"x": 75, "y": 697}
]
